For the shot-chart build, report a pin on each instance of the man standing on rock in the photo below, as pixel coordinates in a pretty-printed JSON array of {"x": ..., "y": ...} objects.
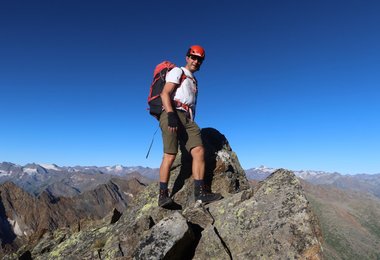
[{"x": 179, "y": 97}]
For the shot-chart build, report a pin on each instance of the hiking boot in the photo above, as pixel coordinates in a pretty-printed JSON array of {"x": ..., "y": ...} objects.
[
  {"x": 164, "y": 200},
  {"x": 204, "y": 194}
]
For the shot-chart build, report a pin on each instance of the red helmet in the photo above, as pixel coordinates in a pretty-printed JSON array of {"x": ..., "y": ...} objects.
[{"x": 197, "y": 51}]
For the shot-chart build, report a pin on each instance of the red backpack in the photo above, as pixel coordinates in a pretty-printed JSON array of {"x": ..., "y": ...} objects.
[{"x": 154, "y": 98}]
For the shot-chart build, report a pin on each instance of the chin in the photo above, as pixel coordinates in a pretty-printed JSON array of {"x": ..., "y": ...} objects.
[{"x": 196, "y": 69}]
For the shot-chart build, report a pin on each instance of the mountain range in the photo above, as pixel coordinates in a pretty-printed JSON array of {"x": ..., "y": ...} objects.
[
  {"x": 346, "y": 205},
  {"x": 366, "y": 183},
  {"x": 70, "y": 181}
]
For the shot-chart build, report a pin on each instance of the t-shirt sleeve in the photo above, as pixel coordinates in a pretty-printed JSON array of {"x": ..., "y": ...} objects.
[{"x": 174, "y": 76}]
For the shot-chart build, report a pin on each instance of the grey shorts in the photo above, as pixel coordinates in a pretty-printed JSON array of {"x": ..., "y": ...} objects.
[{"x": 188, "y": 133}]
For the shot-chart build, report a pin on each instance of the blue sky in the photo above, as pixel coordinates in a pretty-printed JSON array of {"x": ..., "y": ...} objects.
[{"x": 291, "y": 84}]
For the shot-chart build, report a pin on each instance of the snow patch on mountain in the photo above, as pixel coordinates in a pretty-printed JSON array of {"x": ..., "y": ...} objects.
[
  {"x": 4, "y": 173},
  {"x": 30, "y": 171},
  {"x": 16, "y": 228},
  {"x": 265, "y": 169},
  {"x": 118, "y": 168},
  {"x": 49, "y": 166}
]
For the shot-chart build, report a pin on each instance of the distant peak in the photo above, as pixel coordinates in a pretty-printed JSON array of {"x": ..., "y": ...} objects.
[{"x": 118, "y": 167}]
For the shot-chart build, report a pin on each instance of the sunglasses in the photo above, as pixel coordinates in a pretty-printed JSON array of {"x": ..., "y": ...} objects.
[{"x": 194, "y": 57}]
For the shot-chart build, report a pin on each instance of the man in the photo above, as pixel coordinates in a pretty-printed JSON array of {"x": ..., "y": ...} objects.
[{"x": 179, "y": 97}]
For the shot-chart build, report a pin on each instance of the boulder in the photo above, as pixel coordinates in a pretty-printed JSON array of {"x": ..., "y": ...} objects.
[
  {"x": 273, "y": 222},
  {"x": 211, "y": 246},
  {"x": 224, "y": 173},
  {"x": 169, "y": 239}
]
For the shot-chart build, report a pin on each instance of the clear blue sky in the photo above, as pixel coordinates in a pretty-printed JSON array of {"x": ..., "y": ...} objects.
[{"x": 291, "y": 84}]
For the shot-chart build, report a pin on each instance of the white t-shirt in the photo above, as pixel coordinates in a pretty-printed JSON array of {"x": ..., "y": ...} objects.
[{"x": 187, "y": 92}]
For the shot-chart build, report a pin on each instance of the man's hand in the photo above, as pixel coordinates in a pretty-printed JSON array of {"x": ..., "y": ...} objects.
[{"x": 172, "y": 121}]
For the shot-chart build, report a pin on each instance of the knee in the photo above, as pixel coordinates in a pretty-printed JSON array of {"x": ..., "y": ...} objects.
[
  {"x": 169, "y": 158},
  {"x": 198, "y": 152}
]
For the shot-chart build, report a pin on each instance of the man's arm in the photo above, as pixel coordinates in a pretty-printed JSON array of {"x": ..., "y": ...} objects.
[
  {"x": 167, "y": 104},
  {"x": 166, "y": 96}
]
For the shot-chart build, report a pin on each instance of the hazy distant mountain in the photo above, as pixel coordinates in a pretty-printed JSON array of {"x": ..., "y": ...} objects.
[
  {"x": 8, "y": 169},
  {"x": 68, "y": 181},
  {"x": 366, "y": 183},
  {"x": 259, "y": 173},
  {"x": 316, "y": 177}
]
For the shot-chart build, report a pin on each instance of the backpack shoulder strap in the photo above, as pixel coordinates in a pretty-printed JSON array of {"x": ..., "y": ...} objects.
[{"x": 183, "y": 76}]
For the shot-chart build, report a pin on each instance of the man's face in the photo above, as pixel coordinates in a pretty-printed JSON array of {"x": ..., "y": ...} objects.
[{"x": 193, "y": 62}]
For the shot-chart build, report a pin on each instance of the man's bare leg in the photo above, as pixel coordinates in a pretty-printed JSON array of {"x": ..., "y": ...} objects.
[
  {"x": 201, "y": 191},
  {"x": 167, "y": 161},
  {"x": 198, "y": 165},
  {"x": 166, "y": 164}
]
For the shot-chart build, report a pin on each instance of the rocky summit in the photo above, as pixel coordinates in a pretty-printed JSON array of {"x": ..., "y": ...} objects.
[{"x": 271, "y": 220}]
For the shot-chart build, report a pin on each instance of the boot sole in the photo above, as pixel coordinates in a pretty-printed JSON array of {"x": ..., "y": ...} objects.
[
  {"x": 166, "y": 204},
  {"x": 207, "y": 202}
]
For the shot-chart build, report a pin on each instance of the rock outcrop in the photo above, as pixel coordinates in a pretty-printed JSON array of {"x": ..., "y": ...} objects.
[{"x": 269, "y": 221}]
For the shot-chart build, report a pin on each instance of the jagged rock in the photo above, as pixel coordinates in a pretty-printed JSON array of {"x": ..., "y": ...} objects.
[
  {"x": 198, "y": 215},
  {"x": 224, "y": 173},
  {"x": 223, "y": 162},
  {"x": 211, "y": 247},
  {"x": 276, "y": 222},
  {"x": 50, "y": 240},
  {"x": 271, "y": 221},
  {"x": 169, "y": 239}
]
